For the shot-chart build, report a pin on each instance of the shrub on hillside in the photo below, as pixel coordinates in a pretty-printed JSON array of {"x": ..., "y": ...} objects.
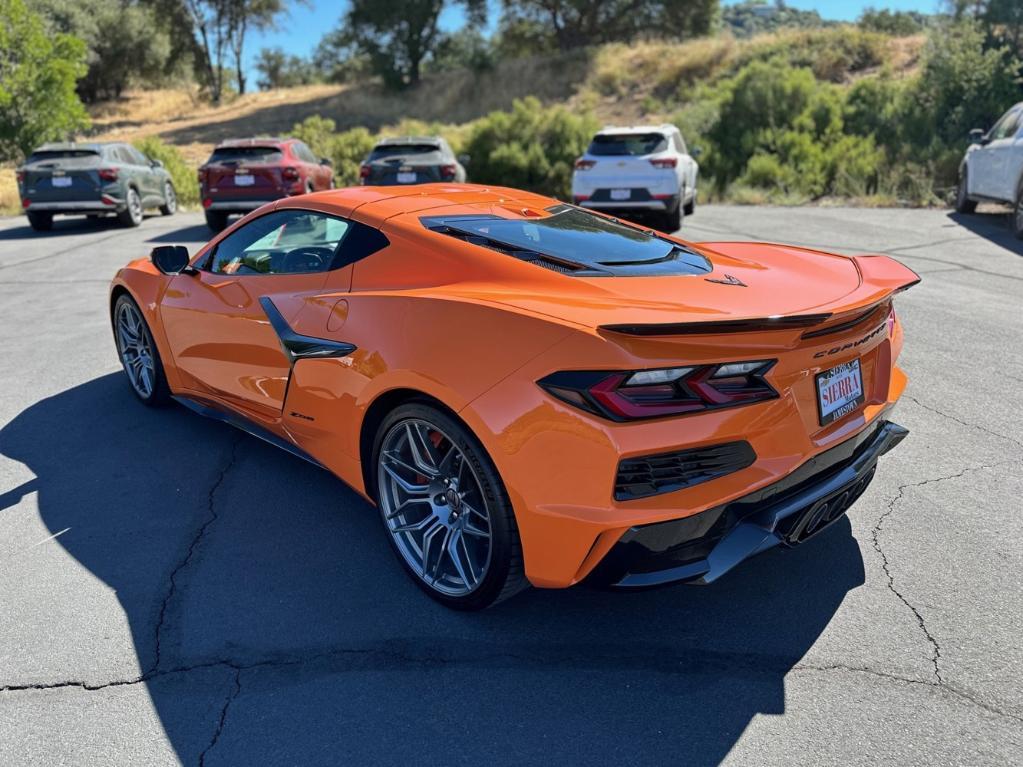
[
  {"x": 346, "y": 150},
  {"x": 530, "y": 147},
  {"x": 182, "y": 174}
]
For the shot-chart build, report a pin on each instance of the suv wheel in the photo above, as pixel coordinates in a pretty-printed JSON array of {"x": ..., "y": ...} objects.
[
  {"x": 690, "y": 207},
  {"x": 963, "y": 202},
  {"x": 446, "y": 510},
  {"x": 41, "y": 222},
  {"x": 132, "y": 213},
  {"x": 673, "y": 218},
  {"x": 216, "y": 220},
  {"x": 1017, "y": 214},
  {"x": 170, "y": 200}
]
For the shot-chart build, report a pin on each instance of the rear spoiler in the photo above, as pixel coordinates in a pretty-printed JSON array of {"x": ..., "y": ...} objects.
[{"x": 881, "y": 278}]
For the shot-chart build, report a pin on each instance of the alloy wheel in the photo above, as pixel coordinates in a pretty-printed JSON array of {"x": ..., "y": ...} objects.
[
  {"x": 135, "y": 348},
  {"x": 434, "y": 508},
  {"x": 170, "y": 199},
  {"x": 1019, "y": 216},
  {"x": 134, "y": 206}
]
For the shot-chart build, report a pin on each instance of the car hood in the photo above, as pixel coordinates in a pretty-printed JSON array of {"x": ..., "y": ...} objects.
[{"x": 749, "y": 281}]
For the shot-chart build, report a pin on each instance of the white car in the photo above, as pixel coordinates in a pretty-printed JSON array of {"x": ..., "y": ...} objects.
[
  {"x": 992, "y": 169},
  {"x": 643, "y": 168}
]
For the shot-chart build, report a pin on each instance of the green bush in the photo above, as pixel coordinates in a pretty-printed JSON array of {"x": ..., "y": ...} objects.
[
  {"x": 182, "y": 174},
  {"x": 530, "y": 147},
  {"x": 346, "y": 150}
]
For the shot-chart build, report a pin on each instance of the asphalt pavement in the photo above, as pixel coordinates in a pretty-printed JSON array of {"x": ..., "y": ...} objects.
[{"x": 173, "y": 591}]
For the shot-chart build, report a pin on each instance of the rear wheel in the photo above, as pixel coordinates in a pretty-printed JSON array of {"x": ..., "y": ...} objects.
[
  {"x": 138, "y": 353},
  {"x": 1017, "y": 214},
  {"x": 445, "y": 509},
  {"x": 690, "y": 207},
  {"x": 41, "y": 222},
  {"x": 132, "y": 213},
  {"x": 673, "y": 219},
  {"x": 963, "y": 202},
  {"x": 216, "y": 220},
  {"x": 170, "y": 200}
]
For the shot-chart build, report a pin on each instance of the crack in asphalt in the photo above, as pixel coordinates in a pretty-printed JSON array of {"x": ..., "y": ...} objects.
[
  {"x": 196, "y": 540},
  {"x": 958, "y": 420},
  {"x": 223, "y": 717},
  {"x": 886, "y": 563}
]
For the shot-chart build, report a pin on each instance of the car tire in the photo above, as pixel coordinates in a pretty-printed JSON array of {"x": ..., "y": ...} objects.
[
  {"x": 690, "y": 207},
  {"x": 1017, "y": 214},
  {"x": 465, "y": 507},
  {"x": 170, "y": 200},
  {"x": 216, "y": 220},
  {"x": 40, "y": 222},
  {"x": 131, "y": 216},
  {"x": 138, "y": 353},
  {"x": 673, "y": 219},
  {"x": 963, "y": 202}
]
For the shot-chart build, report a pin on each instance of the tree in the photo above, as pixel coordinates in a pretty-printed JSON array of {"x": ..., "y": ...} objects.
[
  {"x": 220, "y": 27},
  {"x": 754, "y": 17},
  {"x": 396, "y": 37},
  {"x": 279, "y": 70},
  {"x": 588, "y": 22},
  {"x": 899, "y": 23},
  {"x": 38, "y": 72}
]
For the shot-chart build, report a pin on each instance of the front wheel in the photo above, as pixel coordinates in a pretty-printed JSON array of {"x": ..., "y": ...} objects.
[
  {"x": 170, "y": 200},
  {"x": 445, "y": 509},
  {"x": 963, "y": 202},
  {"x": 139, "y": 355},
  {"x": 132, "y": 213}
]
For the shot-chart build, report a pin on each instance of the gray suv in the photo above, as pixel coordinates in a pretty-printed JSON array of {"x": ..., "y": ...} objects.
[
  {"x": 412, "y": 160},
  {"x": 95, "y": 180}
]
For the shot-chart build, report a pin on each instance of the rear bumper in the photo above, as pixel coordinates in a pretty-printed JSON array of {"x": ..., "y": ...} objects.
[
  {"x": 74, "y": 206},
  {"x": 703, "y": 547},
  {"x": 239, "y": 206}
]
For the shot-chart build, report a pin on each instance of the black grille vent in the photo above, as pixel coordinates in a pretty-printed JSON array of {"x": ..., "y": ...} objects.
[{"x": 665, "y": 472}]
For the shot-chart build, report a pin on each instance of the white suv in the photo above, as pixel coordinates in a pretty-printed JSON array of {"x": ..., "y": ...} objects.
[
  {"x": 993, "y": 168},
  {"x": 645, "y": 168}
]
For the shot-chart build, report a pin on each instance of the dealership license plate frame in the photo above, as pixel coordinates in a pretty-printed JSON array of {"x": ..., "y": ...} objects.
[{"x": 850, "y": 405}]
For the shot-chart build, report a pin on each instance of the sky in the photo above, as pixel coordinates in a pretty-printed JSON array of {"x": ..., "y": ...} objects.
[{"x": 301, "y": 30}]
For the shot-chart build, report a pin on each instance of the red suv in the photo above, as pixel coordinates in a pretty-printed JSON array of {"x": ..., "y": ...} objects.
[{"x": 243, "y": 174}]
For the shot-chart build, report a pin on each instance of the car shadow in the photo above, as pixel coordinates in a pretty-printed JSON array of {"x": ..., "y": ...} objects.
[
  {"x": 195, "y": 233},
  {"x": 61, "y": 226},
  {"x": 270, "y": 616},
  {"x": 993, "y": 226}
]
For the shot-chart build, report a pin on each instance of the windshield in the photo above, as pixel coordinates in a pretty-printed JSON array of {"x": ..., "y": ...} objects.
[
  {"x": 246, "y": 154},
  {"x": 590, "y": 245},
  {"x": 628, "y": 144},
  {"x": 400, "y": 150},
  {"x": 58, "y": 154}
]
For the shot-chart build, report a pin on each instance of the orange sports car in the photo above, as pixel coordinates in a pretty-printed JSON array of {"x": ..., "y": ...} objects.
[{"x": 530, "y": 392}]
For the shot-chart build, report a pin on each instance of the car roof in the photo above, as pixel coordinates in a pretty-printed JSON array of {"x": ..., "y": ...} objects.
[
  {"x": 618, "y": 130},
  {"x": 59, "y": 146},
  {"x": 403, "y": 140},
  {"x": 256, "y": 141}
]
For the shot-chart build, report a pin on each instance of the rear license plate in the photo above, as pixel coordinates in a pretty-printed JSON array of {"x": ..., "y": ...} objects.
[
  {"x": 244, "y": 180},
  {"x": 839, "y": 391},
  {"x": 621, "y": 194},
  {"x": 406, "y": 178},
  {"x": 61, "y": 181}
]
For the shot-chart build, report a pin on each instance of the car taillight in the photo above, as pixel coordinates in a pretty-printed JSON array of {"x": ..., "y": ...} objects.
[
  {"x": 207, "y": 202},
  {"x": 364, "y": 171},
  {"x": 201, "y": 175},
  {"x": 632, "y": 395},
  {"x": 20, "y": 174},
  {"x": 108, "y": 174},
  {"x": 26, "y": 202},
  {"x": 290, "y": 174},
  {"x": 448, "y": 171},
  {"x": 584, "y": 164},
  {"x": 665, "y": 162}
]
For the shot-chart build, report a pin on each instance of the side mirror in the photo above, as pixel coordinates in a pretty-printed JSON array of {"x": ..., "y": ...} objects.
[
  {"x": 695, "y": 152},
  {"x": 326, "y": 161},
  {"x": 464, "y": 159},
  {"x": 977, "y": 136},
  {"x": 170, "y": 259},
  {"x": 156, "y": 163}
]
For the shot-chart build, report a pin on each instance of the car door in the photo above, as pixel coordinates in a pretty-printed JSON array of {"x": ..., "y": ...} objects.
[
  {"x": 988, "y": 172},
  {"x": 220, "y": 328}
]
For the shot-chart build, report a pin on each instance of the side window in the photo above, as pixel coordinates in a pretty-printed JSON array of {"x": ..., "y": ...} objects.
[
  {"x": 137, "y": 157},
  {"x": 680, "y": 144},
  {"x": 304, "y": 153},
  {"x": 120, "y": 154},
  {"x": 282, "y": 242},
  {"x": 1007, "y": 126}
]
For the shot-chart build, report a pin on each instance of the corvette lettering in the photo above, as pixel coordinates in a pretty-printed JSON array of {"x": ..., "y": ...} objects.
[{"x": 852, "y": 344}]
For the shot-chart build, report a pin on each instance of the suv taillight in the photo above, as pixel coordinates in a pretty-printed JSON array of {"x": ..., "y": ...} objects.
[
  {"x": 201, "y": 174},
  {"x": 363, "y": 172},
  {"x": 20, "y": 174},
  {"x": 665, "y": 162},
  {"x": 584, "y": 164},
  {"x": 447, "y": 172},
  {"x": 290, "y": 174},
  {"x": 108, "y": 174},
  {"x": 632, "y": 395}
]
